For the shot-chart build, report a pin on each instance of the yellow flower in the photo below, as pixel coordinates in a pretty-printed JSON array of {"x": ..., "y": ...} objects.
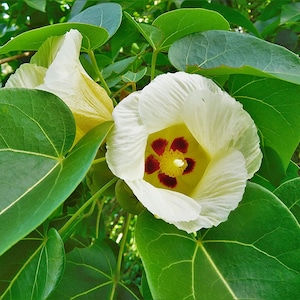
[
  {"x": 185, "y": 148},
  {"x": 56, "y": 68}
]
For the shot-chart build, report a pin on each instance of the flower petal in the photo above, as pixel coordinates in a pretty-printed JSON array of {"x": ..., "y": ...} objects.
[
  {"x": 218, "y": 122},
  {"x": 222, "y": 187},
  {"x": 162, "y": 100},
  {"x": 195, "y": 225},
  {"x": 47, "y": 51},
  {"x": 127, "y": 141},
  {"x": 27, "y": 76},
  {"x": 67, "y": 79},
  {"x": 168, "y": 205}
]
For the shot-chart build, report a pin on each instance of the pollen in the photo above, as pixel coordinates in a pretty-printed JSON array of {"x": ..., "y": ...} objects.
[
  {"x": 172, "y": 163},
  {"x": 174, "y": 159}
]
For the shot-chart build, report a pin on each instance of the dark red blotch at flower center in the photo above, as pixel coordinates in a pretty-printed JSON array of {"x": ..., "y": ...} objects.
[{"x": 169, "y": 161}]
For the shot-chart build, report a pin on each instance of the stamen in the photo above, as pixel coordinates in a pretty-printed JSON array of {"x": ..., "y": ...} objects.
[
  {"x": 178, "y": 162},
  {"x": 172, "y": 163}
]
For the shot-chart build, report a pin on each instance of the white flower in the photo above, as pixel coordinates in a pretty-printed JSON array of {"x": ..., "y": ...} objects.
[
  {"x": 56, "y": 68},
  {"x": 185, "y": 148}
]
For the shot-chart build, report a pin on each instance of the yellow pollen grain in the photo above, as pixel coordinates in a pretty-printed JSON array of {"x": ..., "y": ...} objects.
[{"x": 172, "y": 163}]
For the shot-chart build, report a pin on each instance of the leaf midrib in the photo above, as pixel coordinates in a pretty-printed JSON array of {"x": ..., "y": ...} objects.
[{"x": 218, "y": 272}]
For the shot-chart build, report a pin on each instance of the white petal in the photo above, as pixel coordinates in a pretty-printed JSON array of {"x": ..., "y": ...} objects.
[
  {"x": 67, "y": 79},
  {"x": 219, "y": 122},
  {"x": 170, "y": 206},
  {"x": 221, "y": 187},
  {"x": 47, "y": 51},
  {"x": 127, "y": 141},
  {"x": 162, "y": 100},
  {"x": 195, "y": 225},
  {"x": 27, "y": 76}
]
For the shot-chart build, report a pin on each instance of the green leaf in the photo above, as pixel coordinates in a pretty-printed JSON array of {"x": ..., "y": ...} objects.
[
  {"x": 274, "y": 106},
  {"x": 290, "y": 13},
  {"x": 118, "y": 67},
  {"x": 37, "y": 4},
  {"x": 230, "y": 14},
  {"x": 152, "y": 35},
  {"x": 253, "y": 255},
  {"x": 89, "y": 274},
  {"x": 106, "y": 15},
  {"x": 33, "y": 272},
  {"x": 289, "y": 194},
  {"x": 180, "y": 22},
  {"x": 173, "y": 25},
  {"x": 93, "y": 36},
  {"x": 217, "y": 52},
  {"x": 36, "y": 176},
  {"x": 134, "y": 77}
]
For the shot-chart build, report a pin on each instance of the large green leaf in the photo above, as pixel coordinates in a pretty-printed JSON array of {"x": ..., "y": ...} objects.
[
  {"x": 93, "y": 36},
  {"x": 90, "y": 274},
  {"x": 181, "y": 22},
  {"x": 289, "y": 194},
  {"x": 33, "y": 272},
  {"x": 106, "y": 15},
  {"x": 36, "y": 132},
  {"x": 230, "y": 14},
  {"x": 217, "y": 52},
  {"x": 173, "y": 25},
  {"x": 275, "y": 108},
  {"x": 253, "y": 255}
]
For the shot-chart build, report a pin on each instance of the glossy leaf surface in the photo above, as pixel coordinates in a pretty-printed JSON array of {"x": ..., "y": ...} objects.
[
  {"x": 36, "y": 176},
  {"x": 105, "y": 15},
  {"x": 274, "y": 106},
  {"x": 89, "y": 274},
  {"x": 289, "y": 194},
  {"x": 173, "y": 25},
  {"x": 246, "y": 257},
  {"x": 217, "y": 52},
  {"x": 35, "y": 271},
  {"x": 93, "y": 36}
]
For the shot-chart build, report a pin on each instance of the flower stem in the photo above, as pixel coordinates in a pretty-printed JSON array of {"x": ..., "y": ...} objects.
[
  {"x": 120, "y": 256},
  {"x": 99, "y": 160},
  {"x": 153, "y": 63},
  {"x": 98, "y": 72},
  {"x": 80, "y": 211},
  {"x": 100, "y": 205}
]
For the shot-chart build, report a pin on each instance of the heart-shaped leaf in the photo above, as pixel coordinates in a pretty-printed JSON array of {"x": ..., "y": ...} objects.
[
  {"x": 36, "y": 132},
  {"x": 274, "y": 106},
  {"x": 253, "y": 255},
  {"x": 35, "y": 271},
  {"x": 180, "y": 22},
  {"x": 289, "y": 194},
  {"x": 173, "y": 25},
  {"x": 93, "y": 36},
  {"x": 90, "y": 274},
  {"x": 217, "y": 52},
  {"x": 105, "y": 15},
  {"x": 230, "y": 14}
]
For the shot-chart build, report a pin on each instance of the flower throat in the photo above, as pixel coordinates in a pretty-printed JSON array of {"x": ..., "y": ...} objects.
[{"x": 174, "y": 159}]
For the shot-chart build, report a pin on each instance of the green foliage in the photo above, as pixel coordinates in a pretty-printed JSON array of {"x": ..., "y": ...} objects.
[
  {"x": 66, "y": 225},
  {"x": 35, "y": 271},
  {"x": 221, "y": 52},
  {"x": 245, "y": 257}
]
